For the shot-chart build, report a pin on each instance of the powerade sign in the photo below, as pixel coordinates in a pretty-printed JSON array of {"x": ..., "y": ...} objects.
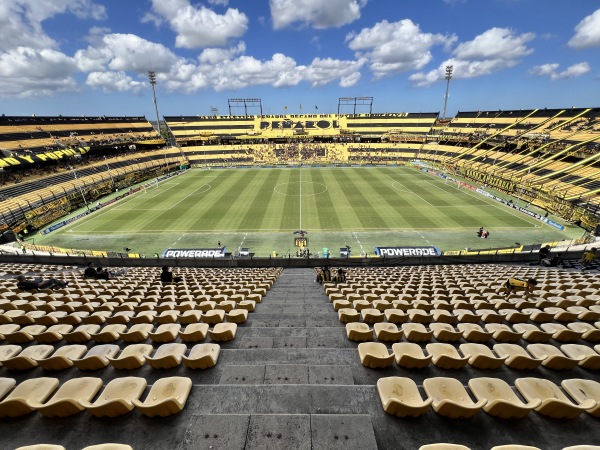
[
  {"x": 406, "y": 251},
  {"x": 194, "y": 253}
]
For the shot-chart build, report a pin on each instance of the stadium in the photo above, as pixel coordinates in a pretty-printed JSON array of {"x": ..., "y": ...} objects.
[
  {"x": 351, "y": 279},
  {"x": 291, "y": 367}
]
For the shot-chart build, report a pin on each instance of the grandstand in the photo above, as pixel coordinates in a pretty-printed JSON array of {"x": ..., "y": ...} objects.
[{"x": 252, "y": 353}]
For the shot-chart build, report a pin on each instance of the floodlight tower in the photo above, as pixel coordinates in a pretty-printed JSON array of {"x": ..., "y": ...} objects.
[
  {"x": 152, "y": 78},
  {"x": 448, "y": 77}
]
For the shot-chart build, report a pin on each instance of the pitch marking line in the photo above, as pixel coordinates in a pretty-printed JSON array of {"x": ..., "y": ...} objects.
[
  {"x": 408, "y": 190},
  {"x": 489, "y": 203}
]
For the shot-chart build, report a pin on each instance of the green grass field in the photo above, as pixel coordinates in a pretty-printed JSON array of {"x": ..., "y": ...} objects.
[{"x": 260, "y": 209}]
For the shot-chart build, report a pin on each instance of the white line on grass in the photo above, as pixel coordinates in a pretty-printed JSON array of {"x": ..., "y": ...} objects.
[
  {"x": 408, "y": 190},
  {"x": 178, "y": 240},
  {"x": 489, "y": 203},
  {"x": 242, "y": 243},
  {"x": 362, "y": 250}
]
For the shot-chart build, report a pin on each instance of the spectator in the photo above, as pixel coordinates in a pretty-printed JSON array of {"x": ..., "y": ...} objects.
[
  {"x": 341, "y": 276},
  {"x": 516, "y": 284},
  {"x": 543, "y": 253},
  {"x": 166, "y": 276},
  {"x": 324, "y": 276},
  {"x": 552, "y": 262},
  {"x": 37, "y": 283},
  {"x": 588, "y": 258},
  {"x": 101, "y": 274}
]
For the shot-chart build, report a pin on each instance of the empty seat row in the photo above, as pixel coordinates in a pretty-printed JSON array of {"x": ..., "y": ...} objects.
[
  {"x": 447, "y": 446},
  {"x": 108, "y": 446},
  {"x": 444, "y": 332},
  {"x": 113, "y": 332},
  {"x": 445, "y": 356},
  {"x": 167, "y": 396},
  {"x": 207, "y": 313},
  {"x": 134, "y": 356},
  {"x": 448, "y": 397}
]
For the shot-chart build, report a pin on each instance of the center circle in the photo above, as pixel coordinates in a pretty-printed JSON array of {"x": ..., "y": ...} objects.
[{"x": 307, "y": 188}]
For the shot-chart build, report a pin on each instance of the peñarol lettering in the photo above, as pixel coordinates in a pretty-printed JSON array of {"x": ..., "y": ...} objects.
[{"x": 300, "y": 124}]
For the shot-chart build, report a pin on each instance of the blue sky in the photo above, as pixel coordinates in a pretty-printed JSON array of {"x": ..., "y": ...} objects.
[{"x": 91, "y": 57}]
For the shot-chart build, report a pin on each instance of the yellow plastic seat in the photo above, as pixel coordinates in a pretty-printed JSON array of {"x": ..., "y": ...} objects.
[
  {"x": 501, "y": 400},
  {"x": 6, "y": 385},
  {"x": 515, "y": 447},
  {"x": 115, "y": 399},
  {"x": 395, "y": 315},
  {"x": 400, "y": 397},
  {"x": 61, "y": 358},
  {"x": 132, "y": 357},
  {"x": 97, "y": 357},
  {"x": 223, "y": 332},
  {"x": 167, "y": 356},
  {"x": 166, "y": 397},
  {"x": 531, "y": 333},
  {"x": 8, "y": 351},
  {"x": 374, "y": 355},
  {"x": 190, "y": 316},
  {"x": 138, "y": 332},
  {"x": 584, "y": 355},
  {"x": 466, "y": 316},
  {"x": 517, "y": 357},
  {"x": 358, "y": 332},
  {"x": 348, "y": 315},
  {"x": 166, "y": 332},
  {"x": 443, "y": 446},
  {"x": 194, "y": 332},
  {"x": 416, "y": 332},
  {"x": 481, "y": 357},
  {"x": 416, "y": 315},
  {"x": 65, "y": 401},
  {"x": 555, "y": 403},
  {"x": 108, "y": 446},
  {"x": 42, "y": 447},
  {"x": 143, "y": 317},
  {"x": 450, "y": 398},
  {"x": 444, "y": 332},
  {"x": 387, "y": 332},
  {"x": 561, "y": 333},
  {"x": 474, "y": 333},
  {"x": 202, "y": 356},
  {"x": 443, "y": 316},
  {"x": 410, "y": 356},
  {"x": 372, "y": 315},
  {"x": 237, "y": 316},
  {"x": 513, "y": 315},
  {"x": 445, "y": 356},
  {"x": 28, "y": 358},
  {"x": 24, "y": 334},
  {"x": 213, "y": 316},
  {"x": 248, "y": 305},
  {"x": 588, "y": 331},
  {"x": 19, "y": 401},
  {"x": 561, "y": 314},
  {"x": 585, "y": 314},
  {"x": 538, "y": 315},
  {"x": 583, "y": 390},
  {"x": 109, "y": 333},
  {"x": 552, "y": 357},
  {"x": 503, "y": 333},
  {"x": 83, "y": 333}
]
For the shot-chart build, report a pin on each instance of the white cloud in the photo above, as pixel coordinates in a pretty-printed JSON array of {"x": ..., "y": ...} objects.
[
  {"x": 396, "y": 47},
  {"x": 494, "y": 50},
  {"x": 315, "y": 13},
  {"x": 27, "y": 72},
  {"x": 587, "y": 32},
  {"x": 219, "y": 2},
  {"x": 198, "y": 27},
  {"x": 216, "y": 55},
  {"x": 113, "y": 82},
  {"x": 551, "y": 71},
  {"x": 21, "y": 20},
  {"x": 125, "y": 52}
]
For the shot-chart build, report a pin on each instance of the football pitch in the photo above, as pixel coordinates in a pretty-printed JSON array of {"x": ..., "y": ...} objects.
[{"x": 360, "y": 207}]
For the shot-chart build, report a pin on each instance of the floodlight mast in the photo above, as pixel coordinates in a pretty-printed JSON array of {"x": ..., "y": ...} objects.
[
  {"x": 448, "y": 77},
  {"x": 152, "y": 78}
]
